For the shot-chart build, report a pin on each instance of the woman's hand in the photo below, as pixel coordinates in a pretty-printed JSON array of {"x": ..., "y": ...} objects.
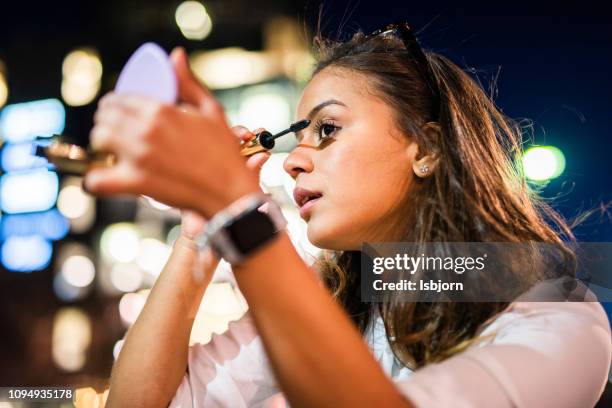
[
  {"x": 185, "y": 156},
  {"x": 193, "y": 223}
]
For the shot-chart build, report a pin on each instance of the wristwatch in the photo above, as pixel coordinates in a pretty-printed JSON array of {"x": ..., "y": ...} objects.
[{"x": 237, "y": 231}]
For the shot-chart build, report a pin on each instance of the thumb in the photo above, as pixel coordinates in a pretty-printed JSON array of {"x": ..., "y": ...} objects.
[
  {"x": 190, "y": 90},
  {"x": 256, "y": 161}
]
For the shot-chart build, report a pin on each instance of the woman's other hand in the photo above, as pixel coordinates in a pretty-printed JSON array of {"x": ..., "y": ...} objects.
[{"x": 185, "y": 156}]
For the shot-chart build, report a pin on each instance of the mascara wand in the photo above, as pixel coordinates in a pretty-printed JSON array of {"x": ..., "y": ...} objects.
[{"x": 265, "y": 140}]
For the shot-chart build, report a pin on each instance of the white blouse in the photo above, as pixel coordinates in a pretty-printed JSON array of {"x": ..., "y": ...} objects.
[{"x": 534, "y": 354}]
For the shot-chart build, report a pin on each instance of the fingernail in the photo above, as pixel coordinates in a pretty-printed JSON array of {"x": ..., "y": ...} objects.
[{"x": 176, "y": 51}]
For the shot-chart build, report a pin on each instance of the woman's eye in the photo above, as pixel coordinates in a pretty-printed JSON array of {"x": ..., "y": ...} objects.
[{"x": 326, "y": 130}]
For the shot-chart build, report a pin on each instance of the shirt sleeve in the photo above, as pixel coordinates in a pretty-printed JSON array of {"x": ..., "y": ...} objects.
[
  {"x": 542, "y": 355},
  {"x": 231, "y": 370}
]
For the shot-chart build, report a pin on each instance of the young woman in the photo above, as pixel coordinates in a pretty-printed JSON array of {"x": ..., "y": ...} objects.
[{"x": 403, "y": 146}]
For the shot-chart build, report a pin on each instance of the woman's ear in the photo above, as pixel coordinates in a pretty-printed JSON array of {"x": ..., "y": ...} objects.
[{"x": 426, "y": 163}]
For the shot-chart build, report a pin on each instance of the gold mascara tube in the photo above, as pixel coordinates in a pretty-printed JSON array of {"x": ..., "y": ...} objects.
[{"x": 75, "y": 159}]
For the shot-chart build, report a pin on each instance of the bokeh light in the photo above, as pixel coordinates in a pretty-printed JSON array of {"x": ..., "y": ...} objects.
[
  {"x": 86, "y": 398},
  {"x": 75, "y": 272},
  {"x": 49, "y": 224},
  {"x": 25, "y": 121},
  {"x": 120, "y": 242},
  {"x": 153, "y": 255},
  {"x": 26, "y": 253},
  {"x": 230, "y": 67},
  {"x": 82, "y": 72},
  {"x": 265, "y": 106},
  {"x": 541, "y": 163},
  {"x": 126, "y": 277},
  {"x": 28, "y": 192},
  {"x": 76, "y": 205},
  {"x": 78, "y": 271},
  {"x": 3, "y": 90},
  {"x": 20, "y": 156},
  {"x": 193, "y": 20},
  {"x": 71, "y": 338}
]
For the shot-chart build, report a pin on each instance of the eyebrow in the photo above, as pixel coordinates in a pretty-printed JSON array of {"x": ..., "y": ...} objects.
[{"x": 320, "y": 106}]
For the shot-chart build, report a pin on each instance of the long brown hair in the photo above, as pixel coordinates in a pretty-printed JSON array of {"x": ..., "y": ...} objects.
[{"x": 476, "y": 194}]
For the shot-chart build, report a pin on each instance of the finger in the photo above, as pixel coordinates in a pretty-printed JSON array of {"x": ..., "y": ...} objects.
[
  {"x": 105, "y": 100},
  {"x": 103, "y": 138},
  {"x": 133, "y": 104},
  {"x": 243, "y": 133},
  {"x": 191, "y": 90},
  {"x": 256, "y": 161},
  {"x": 112, "y": 114},
  {"x": 110, "y": 181}
]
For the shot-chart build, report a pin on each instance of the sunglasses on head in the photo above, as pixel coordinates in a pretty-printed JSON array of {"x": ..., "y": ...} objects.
[{"x": 403, "y": 31}]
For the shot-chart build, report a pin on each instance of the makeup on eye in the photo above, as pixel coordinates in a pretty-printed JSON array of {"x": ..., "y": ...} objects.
[
  {"x": 317, "y": 111},
  {"x": 327, "y": 126}
]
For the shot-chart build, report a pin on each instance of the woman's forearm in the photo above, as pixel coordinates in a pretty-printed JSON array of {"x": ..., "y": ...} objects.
[
  {"x": 319, "y": 357},
  {"x": 154, "y": 355}
]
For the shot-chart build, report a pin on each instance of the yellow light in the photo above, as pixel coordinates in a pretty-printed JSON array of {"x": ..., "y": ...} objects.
[
  {"x": 265, "y": 106},
  {"x": 75, "y": 272},
  {"x": 153, "y": 255},
  {"x": 193, "y": 20},
  {"x": 78, "y": 271},
  {"x": 120, "y": 242},
  {"x": 3, "y": 90},
  {"x": 126, "y": 277},
  {"x": 71, "y": 338},
  {"x": 231, "y": 67},
  {"x": 76, "y": 205},
  {"x": 86, "y": 398},
  {"x": 543, "y": 163},
  {"x": 73, "y": 202},
  {"x": 82, "y": 72}
]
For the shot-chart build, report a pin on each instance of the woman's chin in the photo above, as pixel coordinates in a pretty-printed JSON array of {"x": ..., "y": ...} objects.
[{"x": 322, "y": 237}]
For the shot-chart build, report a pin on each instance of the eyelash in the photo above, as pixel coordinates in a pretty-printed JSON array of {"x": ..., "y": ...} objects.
[{"x": 319, "y": 126}]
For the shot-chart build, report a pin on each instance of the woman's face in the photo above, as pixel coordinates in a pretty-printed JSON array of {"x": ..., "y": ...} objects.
[{"x": 363, "y": 170}]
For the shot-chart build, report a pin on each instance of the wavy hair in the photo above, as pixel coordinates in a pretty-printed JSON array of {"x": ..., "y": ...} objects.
[{"x": 477, "y": 192}]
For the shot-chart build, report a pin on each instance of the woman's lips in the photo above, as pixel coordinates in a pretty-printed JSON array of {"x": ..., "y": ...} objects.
[
  {"x": 306, "y": 208},
  {"x": 305, "y": 199}
]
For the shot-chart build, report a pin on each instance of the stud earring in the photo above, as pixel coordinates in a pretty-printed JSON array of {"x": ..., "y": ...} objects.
[{"x": 424, "y": 169}]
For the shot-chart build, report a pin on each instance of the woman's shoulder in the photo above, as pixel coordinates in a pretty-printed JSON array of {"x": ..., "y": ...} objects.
[
  {"x": 543, "y": 345},
  {"x": 521, "y": 318}
]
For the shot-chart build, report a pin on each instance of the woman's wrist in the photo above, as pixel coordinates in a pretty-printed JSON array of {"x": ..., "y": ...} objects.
[
  {"x": 238, "y": 186},
  {"x": 183, "y": 260}
]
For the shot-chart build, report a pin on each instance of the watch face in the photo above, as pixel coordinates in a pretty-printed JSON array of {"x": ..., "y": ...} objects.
[{"x": 251, "y": 230}]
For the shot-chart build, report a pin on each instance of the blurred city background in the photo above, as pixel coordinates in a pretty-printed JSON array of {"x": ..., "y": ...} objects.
[{"x": 75, "y": 270}]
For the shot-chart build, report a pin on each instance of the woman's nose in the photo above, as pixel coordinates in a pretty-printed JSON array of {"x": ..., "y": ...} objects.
[{"x": 298, "y": 161}]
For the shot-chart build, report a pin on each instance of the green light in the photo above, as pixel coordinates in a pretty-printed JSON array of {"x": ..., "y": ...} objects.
[{"x": 542, "y": 163}]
